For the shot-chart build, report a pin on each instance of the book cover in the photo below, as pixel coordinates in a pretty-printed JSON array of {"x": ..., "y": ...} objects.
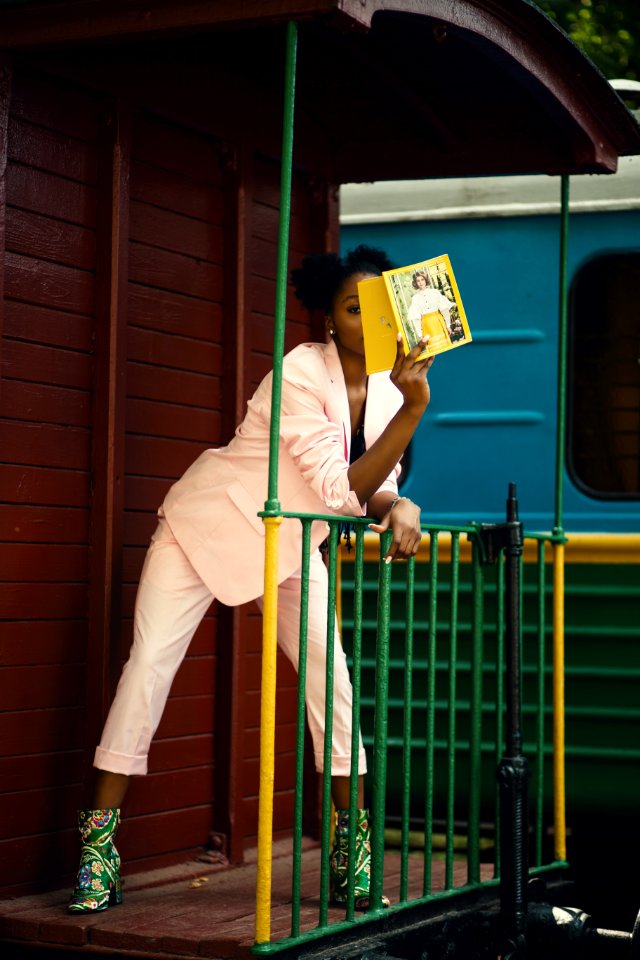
[{"x": 413, "y": 301}]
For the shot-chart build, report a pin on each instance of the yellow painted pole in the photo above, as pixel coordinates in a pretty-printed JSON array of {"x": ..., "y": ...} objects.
[
  {"x": 559, "y": 813},
  {"x": 267, "y": 729},
  {"x": 559, "y": 821},
  {"x": 272, "y": 520}
]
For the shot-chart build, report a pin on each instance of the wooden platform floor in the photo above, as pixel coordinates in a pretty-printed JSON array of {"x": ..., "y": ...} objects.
[{"x": 192, "y": 910}]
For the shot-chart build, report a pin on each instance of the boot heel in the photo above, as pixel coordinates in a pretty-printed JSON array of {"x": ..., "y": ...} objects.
[
  {"x": 115, "y": 894},
  {"x": 116, "y": 890},
  {"x": 334, "y": 896}
]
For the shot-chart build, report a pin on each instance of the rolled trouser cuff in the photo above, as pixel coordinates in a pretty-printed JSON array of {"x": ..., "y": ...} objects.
[
  {"x": 120, "y": 762},
  {"x": 341, "y": 763}
]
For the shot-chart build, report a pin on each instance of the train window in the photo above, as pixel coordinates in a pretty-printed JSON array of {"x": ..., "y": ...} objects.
[{"x": 604, "y": 371}]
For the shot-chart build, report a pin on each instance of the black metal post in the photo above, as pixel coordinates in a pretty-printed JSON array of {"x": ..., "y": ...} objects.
[
  {"x": 513, "y": 770},
  {"x": 559, "y": 931}
]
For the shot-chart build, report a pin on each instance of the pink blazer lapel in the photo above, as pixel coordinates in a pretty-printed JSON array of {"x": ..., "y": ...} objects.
[
  {"x": 337, "y": 402},
  {"x": 383, "y": 400}
]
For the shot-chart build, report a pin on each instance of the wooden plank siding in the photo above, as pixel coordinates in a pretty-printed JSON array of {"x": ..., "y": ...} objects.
[
  {"x": 138, "y": 319},
  {"x": 173, "y": 411},
  {"x": 45, "y": 448}
]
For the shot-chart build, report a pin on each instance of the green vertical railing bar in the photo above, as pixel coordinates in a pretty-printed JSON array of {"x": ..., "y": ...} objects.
[
  {"x": 328, "y": 727},
  {"x": 380, "y": 728},
  {"x": 475, "y": 733},
  {"x": 499, "y": 700},
  {"x": 273, "y": 505},
  {"x": 431, "y": 697},
  {"x": 302, "y": 680},
  {"x": 451, "y": 731},
  {"x": 356, "y": 670},
  {"x": 562, "y": 352},
  {"x": 540, "y": 717},
  {"x": 406, "y": 731}
]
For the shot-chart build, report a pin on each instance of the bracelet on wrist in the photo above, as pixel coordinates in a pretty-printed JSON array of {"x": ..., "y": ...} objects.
[{"x": 397, "y": 500}]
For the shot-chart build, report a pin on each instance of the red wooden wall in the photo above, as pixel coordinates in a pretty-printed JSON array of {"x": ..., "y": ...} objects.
[
  {"x": 139, "y": 282},
  {"x": 45, "y": 476}
]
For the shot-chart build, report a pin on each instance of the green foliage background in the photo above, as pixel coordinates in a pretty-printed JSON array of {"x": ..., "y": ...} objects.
[{"x": 608, "y": 31}]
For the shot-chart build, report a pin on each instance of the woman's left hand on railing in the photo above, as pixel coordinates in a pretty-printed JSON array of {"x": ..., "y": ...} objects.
[{"x": 403, "y": 519}]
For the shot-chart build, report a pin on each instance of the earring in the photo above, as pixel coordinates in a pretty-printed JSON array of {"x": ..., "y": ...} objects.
[
  {"x": 332, "y": 330},
  {"x": 330, "y": 327}
]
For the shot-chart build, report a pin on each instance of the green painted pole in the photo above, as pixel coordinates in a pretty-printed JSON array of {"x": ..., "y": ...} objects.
[
  {"x": 272, "y": 505},
  {"x": 356, "y": 672},
  {"x": 296, "y": 877},
  {"x": 475, "y": 733},
  {"x": 328, "y": 726},
  {"x": 380, "y": 745},
  {"x": 451, "y": 726},
  {"x": 431, "y": 707},
  {"x": 406, "y": 731},
  {"x": 499, "y": 701},
  {"x": 541, "y": 701},
  {"x": 562, "y": 353}
]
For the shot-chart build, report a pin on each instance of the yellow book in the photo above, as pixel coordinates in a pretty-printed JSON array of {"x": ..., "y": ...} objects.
[{"x": 420, "y": 299}]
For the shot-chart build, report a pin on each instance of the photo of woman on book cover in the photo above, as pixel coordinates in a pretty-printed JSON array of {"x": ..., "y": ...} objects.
[{"x": 426, "y": 304}]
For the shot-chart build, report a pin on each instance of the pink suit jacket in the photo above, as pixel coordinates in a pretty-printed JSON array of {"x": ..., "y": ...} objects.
[{"x": 212, "y": 510}]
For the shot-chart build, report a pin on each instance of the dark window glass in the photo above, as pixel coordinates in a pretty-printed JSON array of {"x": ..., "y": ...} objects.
[{"x": 604, "y": 371}]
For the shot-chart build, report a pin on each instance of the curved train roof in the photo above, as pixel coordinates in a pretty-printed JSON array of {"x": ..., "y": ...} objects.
[{"x": 457, "y": 198}]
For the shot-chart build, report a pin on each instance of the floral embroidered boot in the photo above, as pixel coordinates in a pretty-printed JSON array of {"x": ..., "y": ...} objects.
[
  {"x": 98, "y": 882},
  {"x": 339, "y": 859}
]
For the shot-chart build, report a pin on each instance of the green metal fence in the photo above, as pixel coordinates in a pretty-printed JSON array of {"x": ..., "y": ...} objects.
[{"x": 425, "y": 642}]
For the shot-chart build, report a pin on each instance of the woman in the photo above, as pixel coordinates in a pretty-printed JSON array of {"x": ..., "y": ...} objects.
[
  {"x": 209, "y": 543},
  {"x": 427, "y": 300}
]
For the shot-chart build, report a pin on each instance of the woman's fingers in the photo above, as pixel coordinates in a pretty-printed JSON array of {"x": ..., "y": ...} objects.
[
  {"x": 408, "y": 367},
  {"x": 402, "y": 549},
  {"x": 412, "y": 359},
  {"x": 400, "y": 357},
  {"x": 415, "y": 352},
  {"x": 414, "y": 362}
]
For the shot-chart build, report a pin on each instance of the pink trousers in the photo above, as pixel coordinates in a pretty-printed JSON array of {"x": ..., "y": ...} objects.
[{"x": 171, "y": 602}]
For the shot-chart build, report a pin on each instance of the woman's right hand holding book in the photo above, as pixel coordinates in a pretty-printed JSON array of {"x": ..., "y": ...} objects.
[{"x": 409, "y": 374}]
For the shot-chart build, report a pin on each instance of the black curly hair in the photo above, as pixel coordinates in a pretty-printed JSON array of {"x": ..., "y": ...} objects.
[{"x": 318, "y": 280}]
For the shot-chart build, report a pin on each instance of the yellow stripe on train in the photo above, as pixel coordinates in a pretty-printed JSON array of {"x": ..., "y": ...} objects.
[{"x": 580, "y": 548}]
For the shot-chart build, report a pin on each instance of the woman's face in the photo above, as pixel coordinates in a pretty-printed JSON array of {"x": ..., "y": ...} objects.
[
  {"x": 345, "y": 315},
  {"x": 421, "y": 281}
]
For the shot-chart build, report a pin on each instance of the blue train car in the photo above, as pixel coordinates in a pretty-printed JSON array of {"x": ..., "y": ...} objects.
[
  {"x": 493, "y": 409},
  {"x": 492, "y": 419}
]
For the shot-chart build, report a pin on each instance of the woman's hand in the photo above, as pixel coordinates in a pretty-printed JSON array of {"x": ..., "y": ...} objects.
[
  {"x": 410, "y": 374},
  {"x": 404, "y": 520}
]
